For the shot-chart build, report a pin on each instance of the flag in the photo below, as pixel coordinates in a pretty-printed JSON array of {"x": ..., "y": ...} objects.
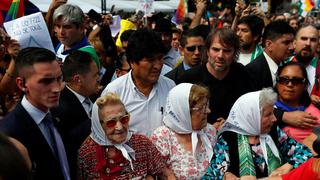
[
  {"x": 305, "y": 6},
  {"x": 181, "y": 12},
  {"x": 12, "y": 9}
]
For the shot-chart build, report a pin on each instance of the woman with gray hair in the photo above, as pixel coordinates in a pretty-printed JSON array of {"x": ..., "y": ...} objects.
[{"x": 250, "y": 143}]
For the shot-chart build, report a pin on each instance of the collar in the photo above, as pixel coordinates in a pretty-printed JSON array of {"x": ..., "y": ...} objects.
[
  {"x": 132, "y": 84},
  {"x": 84, "y": 42},
  {"x": 185, "y": 66},
  {"x": 36, "y": 114},
  {"x": 272, "y": 65},
  {"x": 79, "y": 96}
]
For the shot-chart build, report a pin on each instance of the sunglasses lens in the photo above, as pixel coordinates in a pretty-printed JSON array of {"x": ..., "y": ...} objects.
[
  {"x": 124, "y": 119},
  {"x": 111, "y": 123},
  {"x": 294, "y": 81},
  {"x": 191, "y": 48}
]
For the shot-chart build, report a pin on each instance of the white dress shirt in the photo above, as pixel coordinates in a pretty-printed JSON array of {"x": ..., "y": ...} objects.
[
  {"x": 146, "y": 113},
  {"x": 272, "y": 66}
]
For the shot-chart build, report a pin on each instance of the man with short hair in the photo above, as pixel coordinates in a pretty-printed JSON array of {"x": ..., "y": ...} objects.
[
  {"x": 226, "y": 79},
  {"x": 192, "y": 44},
  {"x": 40, "y": 78},
  {"x": 74, "y": 111},
  {"x": 278, "y": 46},
  {"x": 68, "y": 21},
  {"x": 143, "y": 90},
  {"x": 249, "y": 31}
]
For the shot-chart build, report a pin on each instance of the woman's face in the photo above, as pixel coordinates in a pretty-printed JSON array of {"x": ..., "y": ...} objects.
[
  {"x": 267, "y": 119},
  {"x": 199, "y": 114},
  {"x": 114, "y": 121},
  {"x": 291, "y": 85}
]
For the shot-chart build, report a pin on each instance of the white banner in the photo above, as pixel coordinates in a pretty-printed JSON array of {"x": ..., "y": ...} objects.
[
  {"x": 30, "y": 31},
  {"x": 145, "y": 6}
]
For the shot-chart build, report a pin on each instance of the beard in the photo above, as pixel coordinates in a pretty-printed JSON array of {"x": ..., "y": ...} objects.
[{"x": 304, "y": 59}]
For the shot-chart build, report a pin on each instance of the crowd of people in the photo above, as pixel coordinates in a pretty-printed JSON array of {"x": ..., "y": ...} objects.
[{"x": 224, "y": 94}]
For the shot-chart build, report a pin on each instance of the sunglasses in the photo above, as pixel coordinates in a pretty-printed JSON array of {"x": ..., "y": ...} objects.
[
  {"x": 112, "y": 122},
  {"x": 193, "y": 48},
  {"x": 294, "y": 81}
]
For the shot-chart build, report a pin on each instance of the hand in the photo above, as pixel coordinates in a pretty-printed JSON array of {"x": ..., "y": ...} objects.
[
  {"x": 246, "y": 12},
  {"x": 300, "y": 119},
  {"x": 219, "y": 123},
  {"x": 240, "y": 6},
  {"x": 57, "y": 3},
  {"x": 201, "y": 6},
  {"x": 281, "y": 170},
  {"x": 315, "y": 100},
  {"x": 13, "y": 48},
  {"x": 258, "y": 12},
  {"x": 248, "y": 178},
  {"x": 230, "y": 176}
]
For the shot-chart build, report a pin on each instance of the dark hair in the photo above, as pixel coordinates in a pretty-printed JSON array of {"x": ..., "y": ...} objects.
[
  {"x": 275, "y": 30},
  {"x": 29, "y": 56},
  {"x": 144, "y": 43},
  {"x": 188, "y": 34},
  {"x": 78, "y": 62},
  {"x": 305, "y": 98},
  {"x": 122, "y": 59},
  {"x": 255, "y": 24},
  {"x": 126, "y": 35},
  {"x": 13, "y": 165},
  {"x": 227, "y": 37}
]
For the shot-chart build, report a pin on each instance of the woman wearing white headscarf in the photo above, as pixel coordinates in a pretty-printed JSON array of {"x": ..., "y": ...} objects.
[
  {"x": 250, "y": 144},
  {"x": 186, "y": 140},
  {"x": 111, "y": 151}
]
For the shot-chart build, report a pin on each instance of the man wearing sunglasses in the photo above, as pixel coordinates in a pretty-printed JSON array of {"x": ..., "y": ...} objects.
[{"x": 192, "y": 45}]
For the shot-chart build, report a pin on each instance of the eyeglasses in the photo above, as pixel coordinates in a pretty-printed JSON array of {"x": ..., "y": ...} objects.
[
  {"x": 294, "y": 81},
  {"x": 112, "y": 122},
  {"x": 202, "y": 107},
  {"x": 193, "y": 48}
]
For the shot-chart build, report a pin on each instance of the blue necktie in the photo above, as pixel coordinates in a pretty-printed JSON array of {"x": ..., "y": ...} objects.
[{"x": 50, "y": 132}]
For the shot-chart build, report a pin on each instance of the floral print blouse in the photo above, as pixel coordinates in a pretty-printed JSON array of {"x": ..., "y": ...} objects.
[
  {"x": 181, "y": 161},
  {"x": 290, "y": 152}
]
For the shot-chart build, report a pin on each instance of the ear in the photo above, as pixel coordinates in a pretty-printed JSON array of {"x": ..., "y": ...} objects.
[
  {"x": 294, "y": 43},
  {"x": 269, "y": 45},
  {"x": 21, "y": 83},
  {"x": 76, "y": 78}
]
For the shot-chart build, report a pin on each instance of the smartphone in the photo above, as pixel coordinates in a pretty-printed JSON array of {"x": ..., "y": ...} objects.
[{"x": 95, "y": 16}]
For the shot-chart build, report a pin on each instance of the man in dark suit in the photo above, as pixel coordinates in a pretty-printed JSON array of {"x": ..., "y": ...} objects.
[
  {"x": 277, "y": 39},
  {"x": 73, "y": 113},
  {"x": 192, "y": 44},
  {"x": 40, "y": 78}
]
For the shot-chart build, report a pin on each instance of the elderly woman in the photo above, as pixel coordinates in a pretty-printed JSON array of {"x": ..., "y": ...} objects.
[
  {"x": 186, "y": 140},
  {"x": 111, "y": 151},
  {"x": 292, "y": 84},
  {"x": 249, "y": 144}
]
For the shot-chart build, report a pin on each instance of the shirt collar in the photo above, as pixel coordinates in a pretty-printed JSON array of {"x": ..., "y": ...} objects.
[
  {"x": 272, "y": 65},
  {"x": 79, "y": 96},
  {"x": 186, "y": 66},
  {"x": 129, "y": 76},
  {"x": 84, "y": 42},
  {"x": 36, "y": 114}
]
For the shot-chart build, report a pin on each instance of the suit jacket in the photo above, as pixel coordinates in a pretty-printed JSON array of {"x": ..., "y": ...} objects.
[
  {"x": 20, "y": 125},
  {"x": 176, "y": 73},
  {"x": 260, "y": 73},
  {"x": 73, "y": 124}
]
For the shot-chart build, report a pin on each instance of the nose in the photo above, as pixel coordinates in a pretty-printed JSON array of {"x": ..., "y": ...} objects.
[
  {"x": 273, "y": 118},
  {"x": 291, "y": 47},
  {"x": 197, "y": 50},
  {"x": 238, "y": 33},
  {"x": 119, "y": 126},
  {"x": 58, "y": 85},
  {"x": 308, "y": 42},
  {"x": 208, "y": 110}
]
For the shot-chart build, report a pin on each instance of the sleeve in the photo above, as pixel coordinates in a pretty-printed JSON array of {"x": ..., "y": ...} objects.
[
  {"x": 292, "y": 151},
  {"x": 160, "y": 138},
  {"x": 220, "y": 162},
  {"x": 279, "y": 114}
]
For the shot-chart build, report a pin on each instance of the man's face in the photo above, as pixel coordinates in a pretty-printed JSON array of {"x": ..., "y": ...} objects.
[
  {"x": 43, "y": 86},
  {"x": 175, "y": 41},
  {"x": 90, "y": 80},
  {"x": 220, "y": 57},
  {"x": 281, "y": 49},
  {"x": 245, "y": 36},
  {"x": 192, "y": 50},
  {"x": 68, "y": 34},
  {"x": 306, "y": 43},
  {"x": 148, "y": 70}
]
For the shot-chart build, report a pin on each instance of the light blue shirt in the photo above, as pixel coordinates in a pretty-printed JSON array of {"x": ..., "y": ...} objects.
[{"x": 38, "y": 116}]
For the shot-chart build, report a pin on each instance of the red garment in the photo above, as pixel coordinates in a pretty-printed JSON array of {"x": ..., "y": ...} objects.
[
  {"x": 93, "y": 163},
  {"x": 304, "y": 171}
]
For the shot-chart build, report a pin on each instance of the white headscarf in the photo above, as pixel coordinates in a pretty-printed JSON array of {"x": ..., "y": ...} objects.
[
  {"x": 177, "y": 117},
  {"x": 98, "y": 135},
  {"x": 245, "y": 118}
]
